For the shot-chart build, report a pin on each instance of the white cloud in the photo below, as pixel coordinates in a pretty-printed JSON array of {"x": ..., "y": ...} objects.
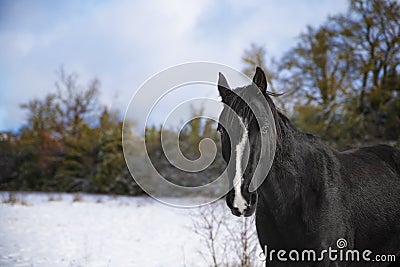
[{"x": 125, "y": 42}]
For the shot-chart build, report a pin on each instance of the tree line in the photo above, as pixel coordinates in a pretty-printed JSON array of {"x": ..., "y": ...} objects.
[
  {"x": 69, "y": 143},
  {"x": 341, "y": 81}
]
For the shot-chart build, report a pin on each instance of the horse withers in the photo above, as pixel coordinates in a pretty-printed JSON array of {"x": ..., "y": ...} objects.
[{"x": 313, "y": 195}]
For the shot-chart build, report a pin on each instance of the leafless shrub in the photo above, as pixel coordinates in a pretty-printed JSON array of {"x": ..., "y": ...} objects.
[
  {"x": 207, "y": 224},
  {"x": 53, "y": 197},
  {"x": 23, "y": 201},
  {"x": 243, "y": 239},
  {"x": 229, "y": 241},
  {"x": 14, "y": 198},
  {"x": 77, "y": 198}
]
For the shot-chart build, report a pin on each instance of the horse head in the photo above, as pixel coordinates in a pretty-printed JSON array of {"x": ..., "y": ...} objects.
[{"x": 241, "y": 139}]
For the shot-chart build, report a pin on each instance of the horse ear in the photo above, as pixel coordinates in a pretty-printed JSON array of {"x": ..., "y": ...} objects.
[
  {"x": 223, "y": 86},
  {"x": 260, "y": 80}
]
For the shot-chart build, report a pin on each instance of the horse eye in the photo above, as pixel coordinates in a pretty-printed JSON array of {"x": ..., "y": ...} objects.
[{"x": 220, "y": 130}]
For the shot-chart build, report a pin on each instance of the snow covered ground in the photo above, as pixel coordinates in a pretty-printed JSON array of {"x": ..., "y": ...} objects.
[{"x": 97, "y": 231}]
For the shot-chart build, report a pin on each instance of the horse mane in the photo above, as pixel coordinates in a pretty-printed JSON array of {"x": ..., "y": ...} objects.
[
  {"x": 281, "y": 119},
  {"x": 274, "y": 94}
]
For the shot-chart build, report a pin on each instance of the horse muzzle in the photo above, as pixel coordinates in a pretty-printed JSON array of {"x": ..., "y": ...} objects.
[{"x": 250, "y": 206}]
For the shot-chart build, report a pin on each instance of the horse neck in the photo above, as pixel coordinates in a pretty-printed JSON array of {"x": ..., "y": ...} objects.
[{"x": 282, "y": 185}]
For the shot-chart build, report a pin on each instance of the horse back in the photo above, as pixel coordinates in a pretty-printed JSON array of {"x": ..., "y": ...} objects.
[
  {"x": 372, "y": 161},
  {"x": 387, "y": 154}
]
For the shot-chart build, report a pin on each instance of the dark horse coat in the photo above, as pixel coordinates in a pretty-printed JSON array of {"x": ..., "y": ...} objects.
[{"x": 314, "y": 195}]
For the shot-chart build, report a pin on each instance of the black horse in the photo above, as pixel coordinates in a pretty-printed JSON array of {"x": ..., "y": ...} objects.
[{"x": 313, "y": 194}]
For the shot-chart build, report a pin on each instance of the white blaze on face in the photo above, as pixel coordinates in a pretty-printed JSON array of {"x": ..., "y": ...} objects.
[{"x": 239, "y": 202}]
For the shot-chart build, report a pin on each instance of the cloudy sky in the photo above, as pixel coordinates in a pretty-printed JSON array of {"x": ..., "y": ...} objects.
[{"x": 123, "y": 43}]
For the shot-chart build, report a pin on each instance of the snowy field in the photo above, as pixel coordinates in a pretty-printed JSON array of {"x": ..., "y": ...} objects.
[{"x": 97, "y": 230}]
